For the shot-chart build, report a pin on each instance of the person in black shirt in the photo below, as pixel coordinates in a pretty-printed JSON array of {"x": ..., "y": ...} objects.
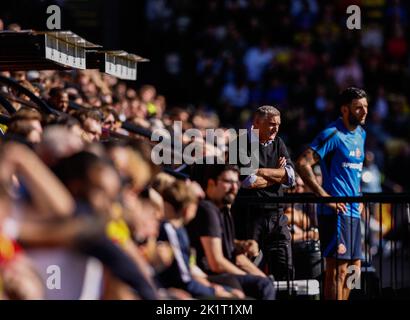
[
  {"x": 180, "y": 208},
  {"x": 261, "y": 220},
  {"x": 212, "y": 234}
]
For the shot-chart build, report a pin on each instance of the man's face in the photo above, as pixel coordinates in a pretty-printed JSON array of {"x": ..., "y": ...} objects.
[
  {"x": 93, "y": 129},
  {"x": 226, "y": 187},
  {"x": 268, "y": 127},
  {"x": 61, "y": 102},
  {"x": 357, "y": 112},
  {"x": 109, "y": 122}
]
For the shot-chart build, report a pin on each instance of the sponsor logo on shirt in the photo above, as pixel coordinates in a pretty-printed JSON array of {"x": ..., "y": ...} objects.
[
  {"x": 355, "y": 153},
  {"x": 355, "y": 166}
]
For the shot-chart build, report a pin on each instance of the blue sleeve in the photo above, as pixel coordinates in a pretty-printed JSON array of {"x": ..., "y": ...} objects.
[
  {"x": 325, "y": 142},
  {"x": 199, "y": 290}
]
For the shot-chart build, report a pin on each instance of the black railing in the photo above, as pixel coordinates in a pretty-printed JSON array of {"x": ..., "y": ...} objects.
[
  {"x": 385, "y": 233},
  {"x": 11, "y": 83}
]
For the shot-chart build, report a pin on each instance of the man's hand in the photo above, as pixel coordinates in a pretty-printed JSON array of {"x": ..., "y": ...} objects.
[
  {"x": 362, "y": 208},
  {"x": 281, "y": 163},
  {"x": 251, "y": 248},
  {"x": 245, "y": 264},
  {"x": 221, "y": 292},
  {"x": 338, "y": 207},
  {"x": 178, "y": 294}
]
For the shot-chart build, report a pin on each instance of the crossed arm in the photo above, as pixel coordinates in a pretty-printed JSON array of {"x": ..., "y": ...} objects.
[{"x": 265, "y": 177}]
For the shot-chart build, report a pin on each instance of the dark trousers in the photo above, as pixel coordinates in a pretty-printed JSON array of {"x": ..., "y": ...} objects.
[
  {"x": 269, "y": 227},
  {"x": 253, "y": 286},
  {"x": 260, "y": 288}
]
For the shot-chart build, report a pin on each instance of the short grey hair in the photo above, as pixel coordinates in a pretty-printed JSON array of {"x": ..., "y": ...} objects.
[{"x": 265, "y": 111}]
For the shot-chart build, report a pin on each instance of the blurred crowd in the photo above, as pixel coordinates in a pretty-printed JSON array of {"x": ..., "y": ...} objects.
[
  {"x": 81, "y": 194},
  {"x": 85, "y": 213},
  {"x": 232, "y": 56}
]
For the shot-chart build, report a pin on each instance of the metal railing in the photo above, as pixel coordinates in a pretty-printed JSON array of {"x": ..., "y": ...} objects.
[{"x": 385, "y": 234}]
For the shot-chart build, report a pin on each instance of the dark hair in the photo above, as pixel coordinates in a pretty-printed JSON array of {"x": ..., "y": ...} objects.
[
  {"x": 201, "y": 173},
  {"x": 56, "y": 91},
  {"x": 26, "y": 113},
  {"x": 83, "y": 114},
  {"x": 78, "y": 166},
  {"x": 21, "y": 128},
  {"x": 348, "y": 95},
  {"x": 106, "y": 110},
  {"x": 63, "y": 120}
]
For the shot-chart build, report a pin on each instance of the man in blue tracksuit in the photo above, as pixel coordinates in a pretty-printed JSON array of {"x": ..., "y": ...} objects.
[{"x": 339, "y": 149}]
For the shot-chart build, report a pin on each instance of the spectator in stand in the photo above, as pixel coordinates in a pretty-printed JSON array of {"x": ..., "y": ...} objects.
[
  {"x": 110, "y": 122},
  {"x": 96, "y": 188},
  {"x": 58, "y": 99},
  {"x": 90, "y": 121},
  {"x": 148, "y": 95},
  {"x": 180, "y": 208},
  {"x": 212, "y": 233},
  {"x": 236, "y": 94},
  {"x": 26, "y": 124},
  {"x": 14, "y": 27},
  {"x": 39, "y": 195},
  {"x": 349, "y": 74},
  {"x": 256, "y": 59}
]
